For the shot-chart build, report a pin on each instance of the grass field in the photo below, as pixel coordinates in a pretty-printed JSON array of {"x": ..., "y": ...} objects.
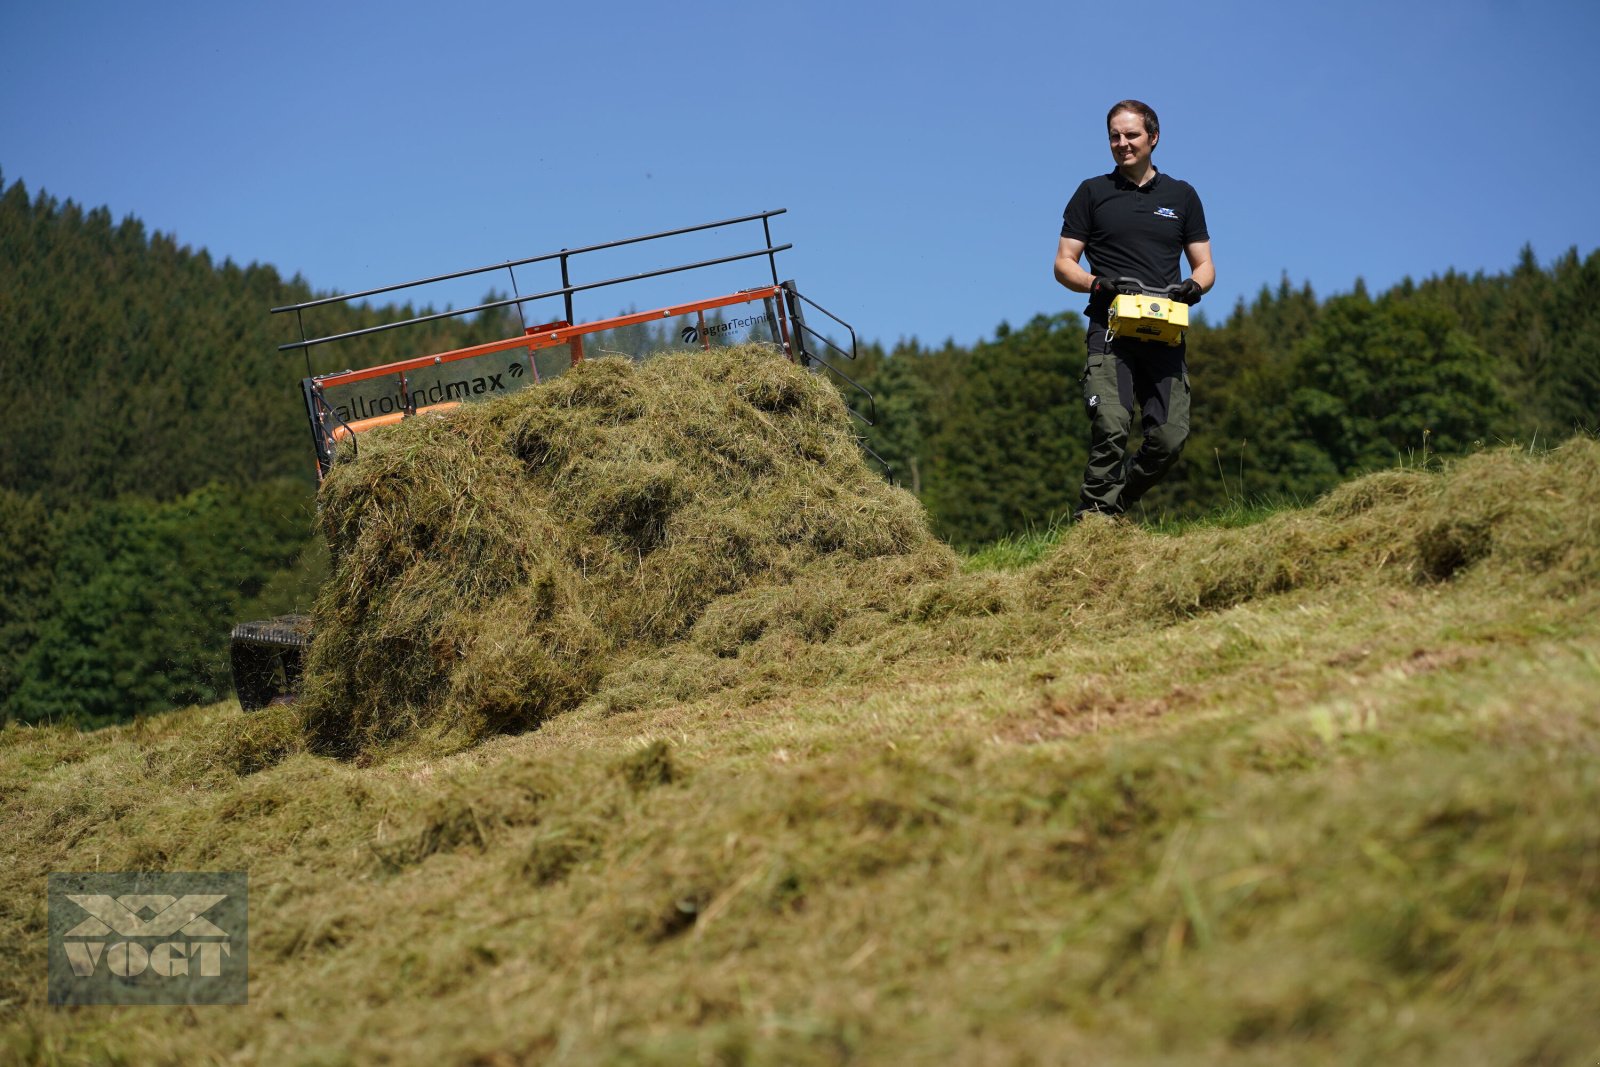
[{"x": 1315, "y": 789}]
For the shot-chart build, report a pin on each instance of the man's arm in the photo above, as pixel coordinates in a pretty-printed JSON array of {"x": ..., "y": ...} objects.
[
  {"x": 1068, "y": 272},
  {"x": 1200, "y": 268}
]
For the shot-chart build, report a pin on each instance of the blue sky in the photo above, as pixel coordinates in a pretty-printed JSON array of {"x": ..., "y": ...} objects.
[{"x": 924, "y": 151}]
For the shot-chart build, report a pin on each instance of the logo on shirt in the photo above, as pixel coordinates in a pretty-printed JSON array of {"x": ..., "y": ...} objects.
[{"x": 1166, "y": 212}]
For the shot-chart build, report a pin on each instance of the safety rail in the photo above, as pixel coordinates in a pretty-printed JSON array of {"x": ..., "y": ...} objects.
[
  {"x": 807, "y": 357},
  {"x": 436, "y": 382},
  {"x": 566, "y": 291}
]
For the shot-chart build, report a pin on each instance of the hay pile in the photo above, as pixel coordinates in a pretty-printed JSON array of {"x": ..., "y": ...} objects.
[
  {"x": 646, "y": 535},
  {"x": 1502, "y": 515},
  {"x": 1500, "y": 518},
  {"x": 488, "y": 567}
]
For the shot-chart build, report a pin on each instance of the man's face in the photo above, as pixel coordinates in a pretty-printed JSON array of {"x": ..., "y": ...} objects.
[{"x": 1131, "y": 144}]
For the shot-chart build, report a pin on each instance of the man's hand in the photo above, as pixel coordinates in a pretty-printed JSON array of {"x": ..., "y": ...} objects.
[
  {"x": 1188, "y": 291},
  {"x": 1103, "y": 288}
]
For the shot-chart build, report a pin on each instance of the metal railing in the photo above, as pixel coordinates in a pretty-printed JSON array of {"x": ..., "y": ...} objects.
[
  {"x": 786, "y": 312},
  {"x": 566, "y": 291}
]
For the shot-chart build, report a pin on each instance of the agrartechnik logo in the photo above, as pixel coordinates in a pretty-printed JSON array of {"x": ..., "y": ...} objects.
[
  {"x": 714, "y": 331},
  {"x": 144, "y": 937}
]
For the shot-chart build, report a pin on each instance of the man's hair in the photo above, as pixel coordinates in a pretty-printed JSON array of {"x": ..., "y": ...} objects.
[{"x": 1152, "y": 125}]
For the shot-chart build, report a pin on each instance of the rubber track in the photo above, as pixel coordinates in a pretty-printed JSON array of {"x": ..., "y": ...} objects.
[{"x": 267, "y": 656}]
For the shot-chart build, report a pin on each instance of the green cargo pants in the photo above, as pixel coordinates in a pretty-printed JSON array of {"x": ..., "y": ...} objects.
[{"x": 1115, "y": 378}]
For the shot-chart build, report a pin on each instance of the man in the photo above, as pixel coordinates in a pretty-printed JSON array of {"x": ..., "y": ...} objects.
[{"x": 1132, "y": 222}]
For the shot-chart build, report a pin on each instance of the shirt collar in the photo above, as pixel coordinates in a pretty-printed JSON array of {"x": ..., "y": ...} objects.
[{"x": 1123, "y": 183}]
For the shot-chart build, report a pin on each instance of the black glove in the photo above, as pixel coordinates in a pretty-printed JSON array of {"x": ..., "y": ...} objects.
[
  {"x": 1103, "y": 288},
  {"x": 1188, "y": 291}
]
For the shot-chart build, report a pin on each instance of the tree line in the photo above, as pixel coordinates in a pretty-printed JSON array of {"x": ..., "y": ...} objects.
[
  {"x": 156, "y": 479},
  {"x": 156, "y": 468}
]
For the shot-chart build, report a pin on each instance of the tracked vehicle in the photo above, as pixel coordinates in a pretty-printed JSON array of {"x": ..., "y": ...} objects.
[{"x": 268, "y": 654}]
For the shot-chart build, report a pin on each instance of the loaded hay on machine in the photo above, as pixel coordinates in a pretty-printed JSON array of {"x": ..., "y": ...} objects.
[
  {"x": 489, "y": 565},
  {"x": 463, "y": 504}
]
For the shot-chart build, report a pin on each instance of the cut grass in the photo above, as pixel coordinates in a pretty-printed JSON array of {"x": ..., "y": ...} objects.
[
  {"x": 488, "y": 568},
  {"x": 1317, "y": 790},
  {"x": 1015, "y": 551}
]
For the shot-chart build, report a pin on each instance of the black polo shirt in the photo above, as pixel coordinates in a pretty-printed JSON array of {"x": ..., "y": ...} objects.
[{"x": 1134, "y": 231}]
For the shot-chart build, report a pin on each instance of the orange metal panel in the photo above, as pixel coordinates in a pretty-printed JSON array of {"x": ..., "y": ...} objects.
[{"x": 539, "y": 338}]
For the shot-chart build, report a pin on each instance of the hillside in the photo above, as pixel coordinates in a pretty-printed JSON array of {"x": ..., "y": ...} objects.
[{"x": 1314, "y": 790}]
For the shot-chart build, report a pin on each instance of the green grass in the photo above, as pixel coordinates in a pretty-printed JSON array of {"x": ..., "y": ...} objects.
[
  {"x": 1016, "y": 551},
  {"x": 1019, "y": 550},
  {"x": 1228, "y": 516},
  {"x": 1314, "y": 790}
]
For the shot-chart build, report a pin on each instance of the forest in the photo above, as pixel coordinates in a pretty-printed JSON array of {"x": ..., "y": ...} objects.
[{"x": 157, "y": 483}]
